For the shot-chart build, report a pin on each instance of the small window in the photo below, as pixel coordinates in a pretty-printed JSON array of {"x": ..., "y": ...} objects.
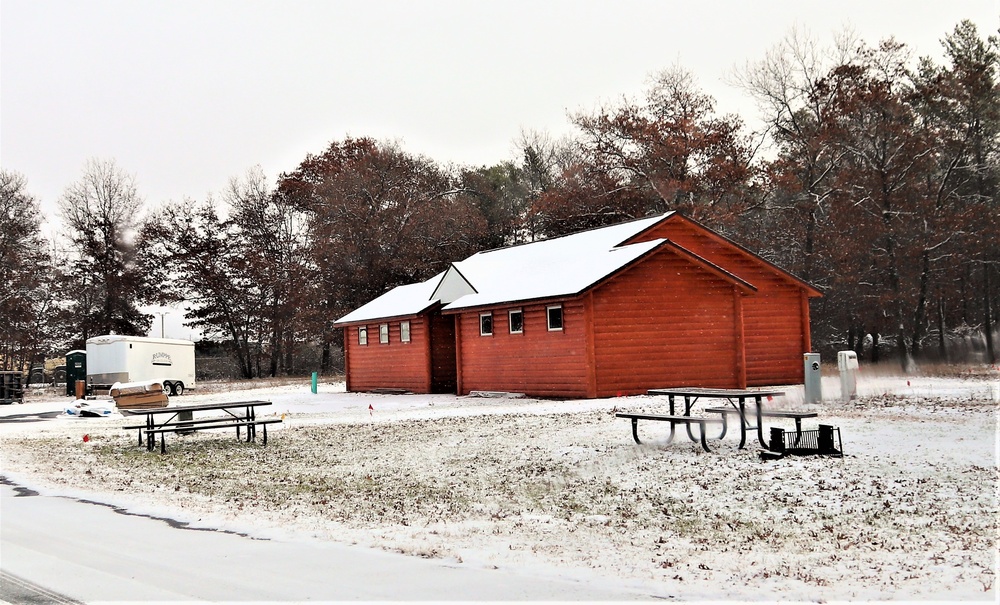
[
  {"x": 383, "y": 334},
  {"x": 516, "y": 318},
  {"x": 404, "y": 331},
  {"x": 486, "y": 324},
  {"x": 363, "y": 335},
  {"x": 555, "y": 317}
]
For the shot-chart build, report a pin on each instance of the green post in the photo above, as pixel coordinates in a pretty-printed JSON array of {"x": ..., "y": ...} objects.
[{"x": 315, "y": 379}]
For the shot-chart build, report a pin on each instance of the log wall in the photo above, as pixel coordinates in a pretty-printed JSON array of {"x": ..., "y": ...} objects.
[
  {"x": 537, "y": 362},
  {"x": 776, "y": 324},
  {"x": 396, "y": 365},
  {"x": 664, "y": 323}
]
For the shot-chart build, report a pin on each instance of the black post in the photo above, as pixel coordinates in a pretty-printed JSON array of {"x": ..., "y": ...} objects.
[
  {"x": 825, "y": 439},
  {"x": 777, "y": 441}
]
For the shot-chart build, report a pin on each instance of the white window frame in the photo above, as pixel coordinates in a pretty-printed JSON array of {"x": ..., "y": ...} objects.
[
  {"x": 363, "y": 336},
  {"x": 548, "y": 318},
  {"x": 404, "y": 331},
  {"x": 383, "y": 334},
  {"x": 481, "y": 317},
  {"x": 510, "y": 323}
]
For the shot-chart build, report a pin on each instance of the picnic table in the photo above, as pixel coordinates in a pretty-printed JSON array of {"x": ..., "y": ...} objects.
[
  {"x": 179, "y": 419},
  {"x": 736, "y": 398}
]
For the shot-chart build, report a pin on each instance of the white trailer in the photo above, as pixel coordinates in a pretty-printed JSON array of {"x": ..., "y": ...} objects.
[{"x": 113, "y": 358}]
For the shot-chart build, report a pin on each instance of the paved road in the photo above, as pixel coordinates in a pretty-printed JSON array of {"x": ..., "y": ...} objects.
[
  {"x": 14, "y": 589},
  {"x": 57, "y": 549}
]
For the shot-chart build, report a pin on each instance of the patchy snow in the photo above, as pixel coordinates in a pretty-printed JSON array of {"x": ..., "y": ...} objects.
[{"x": 559, "y": 489}]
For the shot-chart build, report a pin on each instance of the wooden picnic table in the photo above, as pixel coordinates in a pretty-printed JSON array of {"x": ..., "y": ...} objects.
[
  {"x": 737, "y": 399},
  {"x": 237, "y": 414}
]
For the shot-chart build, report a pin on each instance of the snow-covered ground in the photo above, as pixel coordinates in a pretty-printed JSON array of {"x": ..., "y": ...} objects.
[{"x": 558, "y": 488}]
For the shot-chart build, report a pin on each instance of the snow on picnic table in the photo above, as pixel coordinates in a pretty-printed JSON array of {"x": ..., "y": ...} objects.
[{"x": 558, "y": 488}]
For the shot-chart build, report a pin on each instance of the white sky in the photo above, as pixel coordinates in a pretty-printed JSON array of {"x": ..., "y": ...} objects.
[{"x": 186, "y": 94}]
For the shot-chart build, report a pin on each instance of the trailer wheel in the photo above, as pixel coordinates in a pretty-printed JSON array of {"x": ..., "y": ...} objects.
[
  {"x": 168, "y": 388},
  {"x": 177, "y": 388}
]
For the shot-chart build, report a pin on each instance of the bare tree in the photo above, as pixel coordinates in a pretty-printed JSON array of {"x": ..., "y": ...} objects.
[
  {"x": 200, "y": 259},
  {"x": 100, "y": 213},
  {"x": 273, "y": 234},
  {"x": 666, "y": 151},
  {"x": 379, "y": 217},
  {"x": 786, "y": 85}
]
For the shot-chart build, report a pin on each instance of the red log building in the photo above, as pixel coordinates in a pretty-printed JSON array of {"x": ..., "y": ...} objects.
[{"x": 652, "y": 303}]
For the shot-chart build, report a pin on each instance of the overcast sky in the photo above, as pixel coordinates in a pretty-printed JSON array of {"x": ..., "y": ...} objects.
[{"x": 186, "y": 94}]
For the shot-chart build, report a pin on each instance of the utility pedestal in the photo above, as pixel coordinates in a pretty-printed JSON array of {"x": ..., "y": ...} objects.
[
  {"x": 847, "y": 363},
  {"x": 813, "y": 378}
]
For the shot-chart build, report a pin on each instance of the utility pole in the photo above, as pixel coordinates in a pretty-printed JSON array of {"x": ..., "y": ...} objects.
[{"x": 161, "y": 314}]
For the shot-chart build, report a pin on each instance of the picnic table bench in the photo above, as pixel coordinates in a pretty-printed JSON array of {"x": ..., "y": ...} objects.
[
  {"x": 238, "y": 415},
  {"x": 796, "y": 415},
  {"x": 673, "y": 420}
]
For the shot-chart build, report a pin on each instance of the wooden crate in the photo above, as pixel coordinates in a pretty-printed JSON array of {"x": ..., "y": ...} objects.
[{"x": 139, "y": 396}]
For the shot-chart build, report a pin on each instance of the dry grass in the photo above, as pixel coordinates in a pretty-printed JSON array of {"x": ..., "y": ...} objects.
[{"x": 573, "y": 492}]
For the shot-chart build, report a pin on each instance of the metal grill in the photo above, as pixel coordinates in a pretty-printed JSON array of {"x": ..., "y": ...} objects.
[{"x": 823, "y": 441}]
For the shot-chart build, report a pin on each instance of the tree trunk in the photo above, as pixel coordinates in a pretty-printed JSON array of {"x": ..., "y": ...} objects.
[
  {"x": 242, "y": 349},
  {"x": 963, "y": 287},
  {"x": 809, "y": 245},
  {"x": 920, "y": 316},
  {"x": 991, "y": 355},
  {"x": 325, "y": 360},
  {"x": 942, "y": 347},
  {"x": 243, "y": 360},
  {"x": 289, "y": 349},
  {"x": 275, "y": 352},
  {"x": 897, "y": 304}
]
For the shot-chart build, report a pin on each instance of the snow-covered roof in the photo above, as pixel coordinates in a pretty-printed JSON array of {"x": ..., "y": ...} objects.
[
  {"x": 561, "y": 266},
  {"x": 111, "y": 338},
  {"x": 401, "y": 301}
]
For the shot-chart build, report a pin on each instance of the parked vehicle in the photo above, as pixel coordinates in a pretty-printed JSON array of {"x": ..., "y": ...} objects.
[
  {"x": 113, "y": 358},
  {"x": 37, "y": 375}
]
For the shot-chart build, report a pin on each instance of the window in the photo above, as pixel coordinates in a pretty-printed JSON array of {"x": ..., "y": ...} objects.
[
  {"x": 404, "y": 331},
  {"x": 486, "y": 324},
  {"x": 383, "y": 334},
  {"x": 363, "y": 335},
  {"x": 554, "y": 314},
  {"x": 516, "y": 319}
]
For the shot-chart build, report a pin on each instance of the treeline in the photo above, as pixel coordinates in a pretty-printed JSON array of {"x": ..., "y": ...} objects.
[{"x": 876, "y": 180}]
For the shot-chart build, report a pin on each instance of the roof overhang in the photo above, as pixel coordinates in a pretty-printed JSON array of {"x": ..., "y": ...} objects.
[
  {"x": 375, "y": 320},
  {"x": 401, "y": 302}
]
